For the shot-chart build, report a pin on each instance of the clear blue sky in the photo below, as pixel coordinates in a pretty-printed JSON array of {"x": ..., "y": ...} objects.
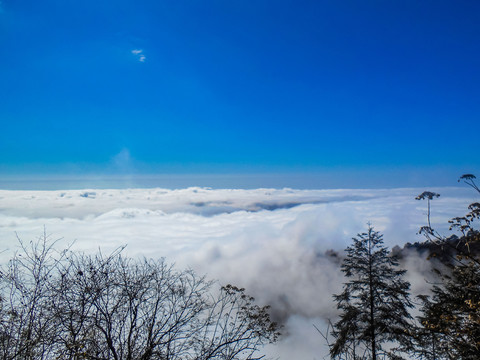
[{"x": 239, "y": 86}]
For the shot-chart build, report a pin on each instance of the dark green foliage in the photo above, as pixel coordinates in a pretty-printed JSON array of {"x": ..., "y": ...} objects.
[
  {"x": 374, "y": 304},
  {"x": 450, "y": 320},
  {"x": 451, "y": 317}
]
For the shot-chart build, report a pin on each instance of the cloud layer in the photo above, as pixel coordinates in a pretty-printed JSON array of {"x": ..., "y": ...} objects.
[{"x": 272, "y": 242}]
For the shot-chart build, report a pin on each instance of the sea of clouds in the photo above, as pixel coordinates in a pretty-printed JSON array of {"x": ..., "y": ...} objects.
[{"x": 273, "y": 242}]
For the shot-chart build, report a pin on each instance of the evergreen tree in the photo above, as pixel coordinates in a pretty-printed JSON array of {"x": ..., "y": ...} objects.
[
  {"x": 374, "y": 303},
  {"x": 451, "y": 316}
]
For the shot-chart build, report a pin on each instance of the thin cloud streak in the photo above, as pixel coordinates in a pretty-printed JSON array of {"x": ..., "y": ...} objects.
[{"x": 139, "y": 54}]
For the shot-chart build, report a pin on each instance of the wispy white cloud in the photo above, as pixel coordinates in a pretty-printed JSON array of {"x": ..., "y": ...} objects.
[
  {"x": 123, "y": 161},
  {"x": 139, "y": 54}
]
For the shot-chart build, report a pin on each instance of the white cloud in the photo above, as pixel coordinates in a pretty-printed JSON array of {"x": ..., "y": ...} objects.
[
  {"x": 139, "y": 54},
  {"x": 271, "y": 242}
]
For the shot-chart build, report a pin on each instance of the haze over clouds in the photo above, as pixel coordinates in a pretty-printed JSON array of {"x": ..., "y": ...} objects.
[{"x": 272, "y": 242}]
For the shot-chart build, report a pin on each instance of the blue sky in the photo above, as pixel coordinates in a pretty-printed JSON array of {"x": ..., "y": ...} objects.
[{"x": 294, "y": 87}]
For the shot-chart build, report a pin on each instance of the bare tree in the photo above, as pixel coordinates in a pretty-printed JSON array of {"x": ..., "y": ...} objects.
[
  {"x": 74, "y": 306},
  {"x": 27, "y": 324},
  {"x": 235, "y": 327}
]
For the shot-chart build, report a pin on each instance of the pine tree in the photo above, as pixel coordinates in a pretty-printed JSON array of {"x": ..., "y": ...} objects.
[{"x": 374, "y": 304}]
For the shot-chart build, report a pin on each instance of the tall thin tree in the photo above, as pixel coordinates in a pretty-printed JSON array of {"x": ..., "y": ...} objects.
[{"x": 374, "y": 304}]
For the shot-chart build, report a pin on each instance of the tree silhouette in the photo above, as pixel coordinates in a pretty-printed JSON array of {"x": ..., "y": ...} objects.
[
  {"x": 428, "y": 195},
  {"x": 374, "y": 303},
  {"x": 68, "y": 305},
  {"x": 450, "y": 317}
]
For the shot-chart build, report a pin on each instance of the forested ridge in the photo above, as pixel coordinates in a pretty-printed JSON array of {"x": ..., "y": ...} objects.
[{"x": 376, "y": 307}]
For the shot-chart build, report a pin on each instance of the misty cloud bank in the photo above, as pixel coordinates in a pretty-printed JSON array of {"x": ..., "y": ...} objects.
[{"x": 275, "y": 243}]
